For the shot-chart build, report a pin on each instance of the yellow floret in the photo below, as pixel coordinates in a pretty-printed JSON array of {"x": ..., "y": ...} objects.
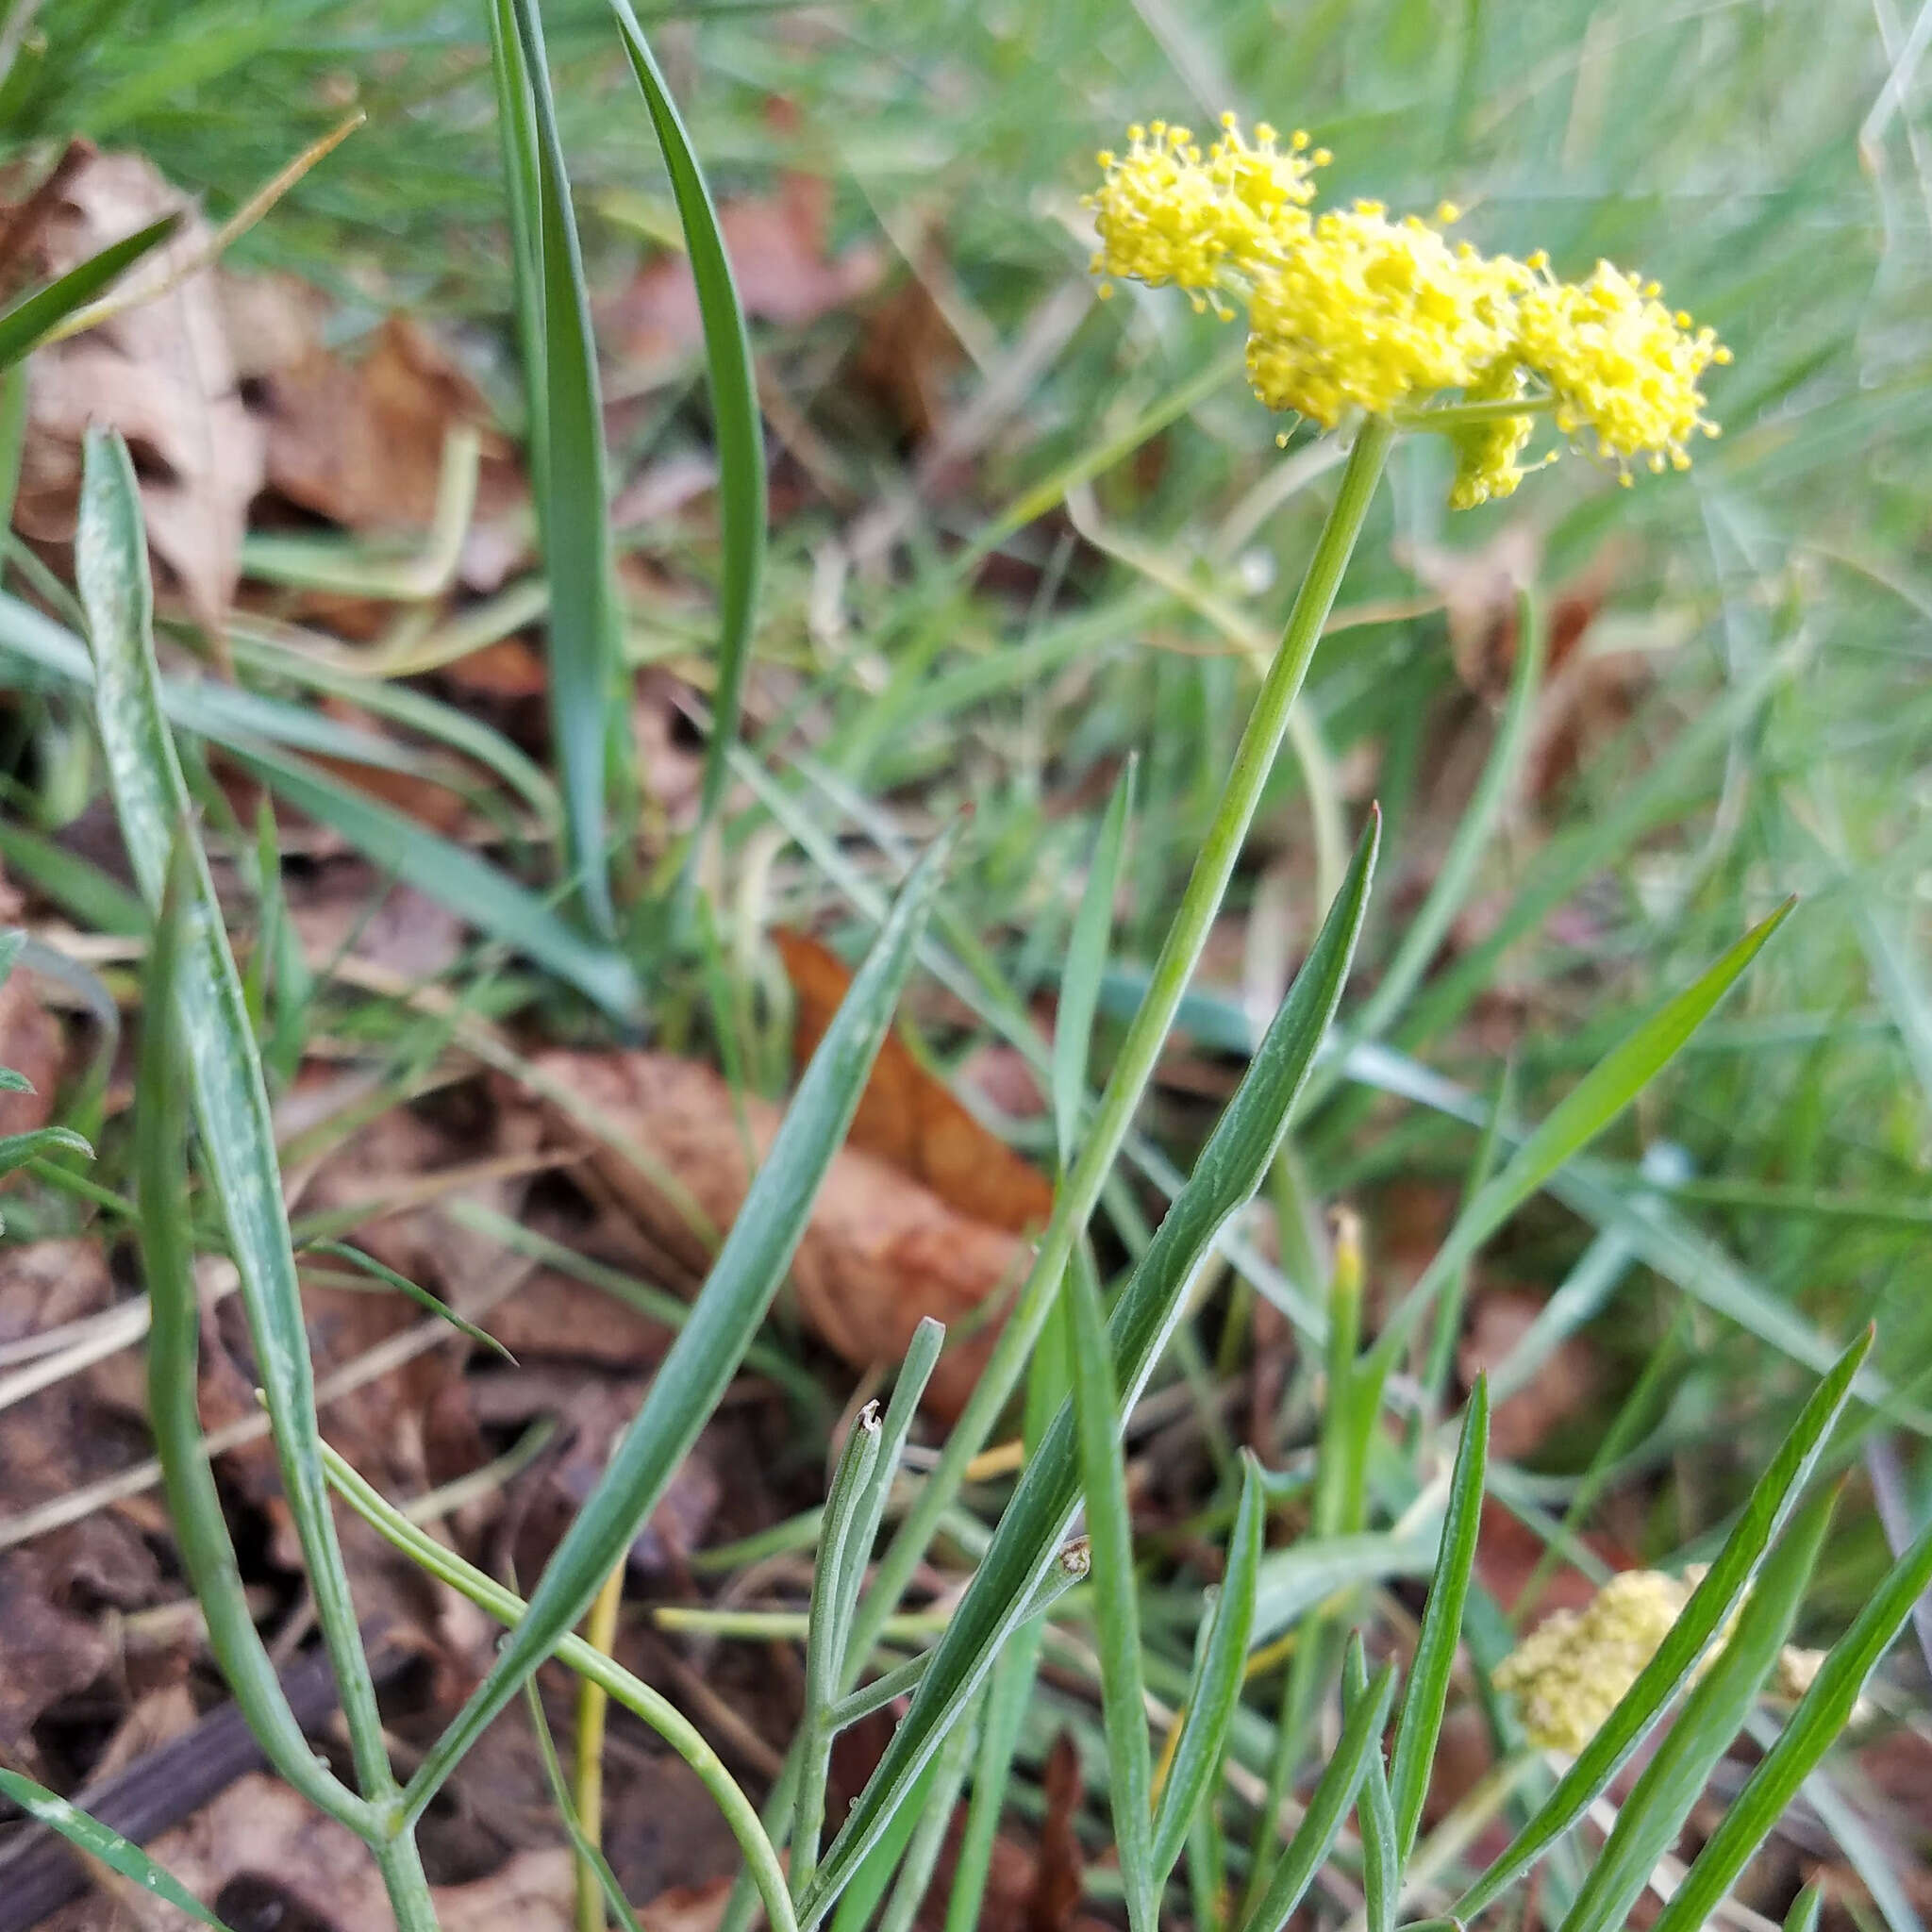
[
  {"x": 1168, "y": 213},
  {"x": 1567, "y": 1674},
  {"x": 1487, "y": 453},
  {"x": 1373, "y": 314},
  {"x": 1618, "y": 364}
]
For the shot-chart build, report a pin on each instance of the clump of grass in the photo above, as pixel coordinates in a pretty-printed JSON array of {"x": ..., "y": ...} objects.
[{"x": 1084, "y": 1365}]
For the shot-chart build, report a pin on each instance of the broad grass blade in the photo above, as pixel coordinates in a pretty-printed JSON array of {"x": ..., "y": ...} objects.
[
  {"x": 1215, "y": 1693},
  {"x": 1230, "y": 1168},
  {"x": 583, "y": 661},
  {"x": 231, "y": 1099},
  {"x": 1764, "y": 1512},
  {"x": 1115, "y": 1591},
  {"x": 1086, "y": 949},
  {"x": 1651, "y": 1817},
  {"x": 98, "y": 1841},
  {"x": 1335, "y": 1791},
  {"x": 1441, "y": 1632},
  {"x": 33, "y": 318},
  {"x": 174, "y": 1352},
  {"x": 741, "y": 509},
  {"x": 723, "y": 1321},
  {"x": 1821, "y": 1714}
]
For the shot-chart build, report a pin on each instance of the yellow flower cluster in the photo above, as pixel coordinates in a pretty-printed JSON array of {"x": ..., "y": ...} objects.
[
  {"x": 1353, "y": 310},
  {"x": 1567, "y": 1674},
  {"x": 1168, "y": 213}
]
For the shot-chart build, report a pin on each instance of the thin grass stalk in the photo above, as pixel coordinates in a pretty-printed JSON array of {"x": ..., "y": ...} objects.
[{"x": 1134, "y": 1064}]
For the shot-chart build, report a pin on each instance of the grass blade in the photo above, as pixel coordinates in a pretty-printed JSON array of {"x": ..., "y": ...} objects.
[
  {"x": 1116, "y": 1608},
  {"x": 589, "y": 1854},
  {"x": 98, "y": 1841},
  {"x": 840, "y": 1555},
  {"x": 1381, "y": 1863},
  {"x": 35, "y": 317},
  {"x": 174, "y": 1348},
  {"x": 1821, "y": 1714},
  {"x": 723, "y": 1321},
  {"x": 224, "y": 1071},
  {"x": 590, "y": 1663},
  {"x": 1764, "y": 1512},
  {"x": 584, "y": 659},
  {"x": 1216, "y": 1692},
  {"x": 432, "y": 1303},
  {"x": 1442, "y": 1633},
  {"x": 741, "y": 509},
  {"x": 1582, "y": 1113},
  {"x": 1651, "y": 1818},
  {"x": 1087, "y": 948},
  {"x": 1230, "y": 1168},
  {"x": 1335, "y": 1791}
]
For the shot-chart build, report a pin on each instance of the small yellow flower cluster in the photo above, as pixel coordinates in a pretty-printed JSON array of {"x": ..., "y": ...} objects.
[
  {"x": 1168, "y": 213},
  {"x": 1350, "y": 310},
  {"x": 1567, "y": 1674},
  {"x": 1618, "y": 361}
]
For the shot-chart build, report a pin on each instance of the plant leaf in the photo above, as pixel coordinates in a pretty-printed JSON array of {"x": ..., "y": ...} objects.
[
  {"x": 1821, "y": 1714},
  {"x": 1115, "y": 1589},
  {"x": 741, "y": 506},
  {"x": 1428, "y": 1694},
  {"x": 723, "y": 1321},
  {"x": 585, "y": 652},
  {"x": 1215, "y": 1693},
  {"x": 433, "y": 1304},
  {"x": 1651, "y": 1818},
  {"x": 1582, "y": 1113},
  {"x": 1230, "y": 1168},
  {"x": 1087, "y": 948},
  {"x": 35, "y": 317},
  {"x": 230, "y": 1100},
  {"x": 1335, "y": 1791},
  {"x": 100, "y": 1841},
  {"x": 1764, "y": 1512},
  {"x": 1381, "y": 1863}
]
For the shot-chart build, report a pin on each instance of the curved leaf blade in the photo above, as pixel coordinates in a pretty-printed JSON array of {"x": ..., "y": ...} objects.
[
  {"x": 1230, "y": 1168},
  {"x": 723, "y": 1322},
  {"x": 1085, "y": 965},
  {"x": 35, "y": 317},
  {"x": 741, "y": 505},
  {"x": 101, "y": 1841}
]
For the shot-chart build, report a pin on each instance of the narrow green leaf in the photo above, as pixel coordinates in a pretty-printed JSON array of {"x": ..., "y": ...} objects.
[
  {"x": 1764, "y": 1512},
  {"x": 839, "y": 1555},
  {"x": 565, "y": 1807},
  {"x": 1582, "y": 1113},
  {"x": 16, "y": 1150},
  {"x": 741, "y": 509},
  {"x": 1427, "y": 1694},
  {"x": 1215, "y": 1693},
  {"x": 1381, "y": 1862},
  {"x": 1230, "y": 1168},
  {"x": 1650, "y": 1820},
  {"x": 1086, "y": 949},
  {"x": 1009, "y": 1691},
  {"x": 491, "y": 900},
  {"x": 1115, "y": 1591},
  {"x": 1821, "y": 1714},
  {"x": 33, "y": 318},
  {"x": 1335, "y": 1791},
  {"x": 433, "y": 1304},
  {"x": 99, "y": 1842},
  {"x": 1296, "y": 1580},
  {"x": 230, "y": 1100},
  {"x": 584, "y": 660},
  {"x": 13, "y": 401},
  {"x": 723, "y": 1320},
  {"x": 1803, "y": 1916}
]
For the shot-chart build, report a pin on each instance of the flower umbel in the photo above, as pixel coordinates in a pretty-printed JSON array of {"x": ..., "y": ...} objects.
[
  {"x": 1567, "y": 1674},
  {"x": 1354, "y": 311}
]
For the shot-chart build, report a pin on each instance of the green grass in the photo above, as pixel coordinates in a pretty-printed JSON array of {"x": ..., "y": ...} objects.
[{"x": 1780, "y": 593}]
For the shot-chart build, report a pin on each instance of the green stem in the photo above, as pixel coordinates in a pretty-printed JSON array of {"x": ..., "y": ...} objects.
[
  {"x": 1134, "y": 1065},
  {"x": 662, "y": 1716},
  {"x": 407, "y": 1885}
]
